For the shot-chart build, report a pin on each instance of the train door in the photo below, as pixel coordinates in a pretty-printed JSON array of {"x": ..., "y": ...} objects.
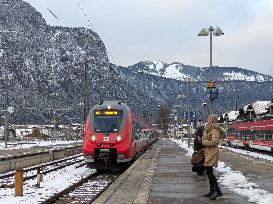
[{"x": 136, "y": 138}]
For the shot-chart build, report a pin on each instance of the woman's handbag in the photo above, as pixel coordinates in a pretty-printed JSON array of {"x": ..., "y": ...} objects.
[{"x": 198, "y": 157}]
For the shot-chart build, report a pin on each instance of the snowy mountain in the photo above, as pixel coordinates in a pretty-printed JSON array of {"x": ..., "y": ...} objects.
[{"x": 183, "y": 72}]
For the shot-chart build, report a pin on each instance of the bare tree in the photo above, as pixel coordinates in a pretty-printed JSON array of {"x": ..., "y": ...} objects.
[{"x": 163, "y": 118}]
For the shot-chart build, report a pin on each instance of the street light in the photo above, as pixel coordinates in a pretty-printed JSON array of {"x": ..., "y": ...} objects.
[
  {"x": 226, "y": 118},
  {"x": 270, "y": 107},
  {"x": 250, "y": 110},
  {"x": 209, "y": 31},
  {"x": 188, "y": 110}
]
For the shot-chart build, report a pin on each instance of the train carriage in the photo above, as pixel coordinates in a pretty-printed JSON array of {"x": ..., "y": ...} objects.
[{"x": 256, "y": 135}]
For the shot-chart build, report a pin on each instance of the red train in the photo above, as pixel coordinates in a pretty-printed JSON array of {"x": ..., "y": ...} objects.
[
  {"x": 253, "y": 135},
  {"x": 114, "y": 136}
]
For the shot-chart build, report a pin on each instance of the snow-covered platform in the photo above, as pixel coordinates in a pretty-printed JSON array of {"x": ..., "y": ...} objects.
[
  {"x": 163, "y": 175},
  {"x": 174, "y": 182}
]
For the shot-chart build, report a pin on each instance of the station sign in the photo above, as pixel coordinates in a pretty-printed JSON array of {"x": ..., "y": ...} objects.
[
  {"x": 185, "y": 114},
  {"x": 213, "y": 94}
]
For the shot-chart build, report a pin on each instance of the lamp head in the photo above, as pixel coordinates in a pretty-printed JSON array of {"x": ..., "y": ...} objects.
[
  {"x": 218, "y": 31},
  {"x": 204, "y": 32}
]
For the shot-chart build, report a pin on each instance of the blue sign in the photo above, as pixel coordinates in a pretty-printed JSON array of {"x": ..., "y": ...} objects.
[
  {"x": 213, "y": 94},
  {"x": 185, "y": 114}
]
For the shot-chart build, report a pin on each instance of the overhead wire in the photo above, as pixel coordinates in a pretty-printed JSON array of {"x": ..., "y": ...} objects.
[{"x": 92, "y": 27}]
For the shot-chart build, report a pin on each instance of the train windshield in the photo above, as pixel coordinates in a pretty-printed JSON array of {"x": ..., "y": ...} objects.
[{"x": 107, "y": 121}]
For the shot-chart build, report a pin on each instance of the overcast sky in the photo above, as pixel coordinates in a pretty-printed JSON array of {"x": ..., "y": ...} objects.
[{"x": 137, "y": 30}]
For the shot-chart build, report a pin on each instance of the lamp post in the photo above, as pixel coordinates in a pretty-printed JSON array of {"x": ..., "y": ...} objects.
[
  {"x": 226, "y": 118},
  {"x": 270, "y": 107},
  {"x": 237, "y": 100},
  {"x": 6, "y": 112},
  {"x": 211, "y": 31},
  {"x": 217, "y": 32},
  {"x": 188, "y": 111},
  {"x": 181, "y": 97},
  {"x": 250, "y": 110}
]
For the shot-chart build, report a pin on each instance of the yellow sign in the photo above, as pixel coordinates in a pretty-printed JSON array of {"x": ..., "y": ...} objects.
[
  {"x": 106, "y": 112},
  {"x": 110, "y": 112},
  {"x": 211, "y": 85}
]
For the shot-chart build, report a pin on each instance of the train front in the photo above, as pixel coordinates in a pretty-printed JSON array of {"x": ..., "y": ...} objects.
[{"x": 108, "y": 136}]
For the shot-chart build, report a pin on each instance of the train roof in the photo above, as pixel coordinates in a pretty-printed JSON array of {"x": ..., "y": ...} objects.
[
  {"x": 144, "y": 123},
  {"x": 254, "y": 125},
  {"x": 111, "y": 105},
  {"x": 122, "y": 106}
]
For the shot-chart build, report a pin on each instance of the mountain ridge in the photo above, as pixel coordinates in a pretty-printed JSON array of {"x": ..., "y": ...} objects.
[{"x": 180, "y": 71}]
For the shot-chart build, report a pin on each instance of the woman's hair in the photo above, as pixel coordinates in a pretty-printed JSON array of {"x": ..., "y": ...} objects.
[
  {"x": 213, "y": 118},
  {"x": 199, "y": 131}
]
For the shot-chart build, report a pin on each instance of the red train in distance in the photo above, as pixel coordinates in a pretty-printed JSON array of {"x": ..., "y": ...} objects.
[
  {"x": 114, "y": 136},
  {"x": 252, "y": 135}
]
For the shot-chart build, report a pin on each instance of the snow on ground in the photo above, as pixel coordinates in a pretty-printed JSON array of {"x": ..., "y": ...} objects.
[
  {"x": 236, "y": 182},
  {"x": 54, "y": 182},
  {"x": 21, "y": 145},
  {"x": 253, "y": 154}
]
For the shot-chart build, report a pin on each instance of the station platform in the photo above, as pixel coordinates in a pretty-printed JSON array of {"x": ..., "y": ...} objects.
[{"x": 162, "y": 176}]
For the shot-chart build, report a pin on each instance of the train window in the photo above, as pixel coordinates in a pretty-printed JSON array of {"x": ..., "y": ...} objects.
[
  {"x": 260, "y": 137},
  {"x": 136, "y": 130},
  {"x": 107, "y": 123},
  {"x": 144, "y": 134},
  {"x": 268, "y": 137}
]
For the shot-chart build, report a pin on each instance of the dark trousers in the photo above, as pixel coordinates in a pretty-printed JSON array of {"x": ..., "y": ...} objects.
[{"x": 212, "y": 180}]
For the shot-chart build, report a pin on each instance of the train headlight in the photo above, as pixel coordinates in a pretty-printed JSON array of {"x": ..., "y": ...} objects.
[
  {"x": 93, "y": 138},
  {"x": 119, "y": 137}
]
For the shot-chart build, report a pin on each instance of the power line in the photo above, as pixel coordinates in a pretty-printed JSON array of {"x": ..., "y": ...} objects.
[
  {"x": 53, "y": 14},
  {"x": 85, "y": 14},
  {"x": 92, "y": 27}
]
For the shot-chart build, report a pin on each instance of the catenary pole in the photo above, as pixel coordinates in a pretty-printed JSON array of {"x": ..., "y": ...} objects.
[{"x": 6, "y": 111}]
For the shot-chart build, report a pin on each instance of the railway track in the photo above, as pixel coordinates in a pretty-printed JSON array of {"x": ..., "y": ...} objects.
[
  {"x": 7, "y": 179},
  {"x": 84, "y": 191}
]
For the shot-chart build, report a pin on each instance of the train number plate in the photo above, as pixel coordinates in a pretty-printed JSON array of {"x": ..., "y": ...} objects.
[{"x": 105, "y": 150}]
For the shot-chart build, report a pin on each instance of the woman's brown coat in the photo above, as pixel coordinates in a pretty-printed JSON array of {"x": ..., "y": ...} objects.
[{"x": 210, "y": 142}]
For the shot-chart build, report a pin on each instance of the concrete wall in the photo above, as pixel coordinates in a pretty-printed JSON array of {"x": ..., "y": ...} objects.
[{"x": 31, "y": 160}]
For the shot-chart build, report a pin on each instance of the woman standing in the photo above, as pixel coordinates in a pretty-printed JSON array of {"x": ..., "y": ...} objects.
[
  {"x": 210, "y": 142},
  {"x": 197, "y": 146}
]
